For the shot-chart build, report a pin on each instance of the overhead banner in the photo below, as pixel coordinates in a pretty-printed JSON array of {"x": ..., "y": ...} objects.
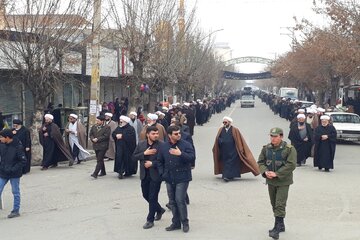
[{"x": 246, "y": 76}]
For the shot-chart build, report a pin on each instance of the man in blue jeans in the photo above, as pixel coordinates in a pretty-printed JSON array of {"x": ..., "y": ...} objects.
[
  {"x": 176, "y": 157},
  {"x": 12, "y": 160}
]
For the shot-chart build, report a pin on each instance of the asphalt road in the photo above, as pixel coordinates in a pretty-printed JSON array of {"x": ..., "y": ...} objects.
[{"x": 65, "y": 203}]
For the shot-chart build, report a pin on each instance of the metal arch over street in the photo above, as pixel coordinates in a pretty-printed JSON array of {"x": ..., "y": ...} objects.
[
  {"x": 247, "y": 76},
  {"x": 247, "y": 60}
]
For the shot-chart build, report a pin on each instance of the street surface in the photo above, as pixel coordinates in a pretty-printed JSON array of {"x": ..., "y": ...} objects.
[{"x": 66, "y": 203}]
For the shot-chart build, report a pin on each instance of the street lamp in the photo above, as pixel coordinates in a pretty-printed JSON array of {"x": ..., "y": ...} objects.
[{"x": 218, "y": 30}]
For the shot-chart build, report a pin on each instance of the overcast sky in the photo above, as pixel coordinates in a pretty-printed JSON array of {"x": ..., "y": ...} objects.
[{"x": 253, "y": 27}]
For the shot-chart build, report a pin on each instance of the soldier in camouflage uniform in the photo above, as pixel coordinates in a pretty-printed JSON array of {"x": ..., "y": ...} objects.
[{"x": 277, "y": 161}]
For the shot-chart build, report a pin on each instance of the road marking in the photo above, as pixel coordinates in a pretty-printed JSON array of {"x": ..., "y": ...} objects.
[{"x": 232, "y": 111}]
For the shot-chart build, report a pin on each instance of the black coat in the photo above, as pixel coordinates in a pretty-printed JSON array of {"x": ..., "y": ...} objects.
[
  {"x": 303, "y": 148},
  {"x": 23, "y": 134},
  {"x": 124, "y": 149},
  {"x": 324, "y": 151},
  {"x": 12, "y": 159},
  {"x": 138, "y": 155},
  {"x": 176, "y": 169}
]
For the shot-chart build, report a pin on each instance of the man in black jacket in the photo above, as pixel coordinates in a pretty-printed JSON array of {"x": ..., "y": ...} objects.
[
  {"x": 175, "y": 160},
  {"x": 146, "y": 152},
  {"x": 23, "y": 134},
  {"x": 12, "y": 161}
]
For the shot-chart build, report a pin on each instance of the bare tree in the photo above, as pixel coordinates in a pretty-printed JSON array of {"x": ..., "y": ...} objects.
[
  {"x": 36, "y": 37},
  {"x": 137, "y": 22},
  {"x": 326, "y": 55}
]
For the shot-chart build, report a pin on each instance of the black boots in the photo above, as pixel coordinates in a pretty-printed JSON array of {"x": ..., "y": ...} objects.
[{"x": 279, "y": 227}]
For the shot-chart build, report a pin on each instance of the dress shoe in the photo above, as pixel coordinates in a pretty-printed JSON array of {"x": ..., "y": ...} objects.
[
  {"x": 159, "y": 214},
  {"x": 43, "y": 168},
  {"x": 148, "y": 225},
  {"x": 121, "y": 176},
  {"x": 173, "y": 227},
  {"x": 101, "y": 174},
  {"x": 168, "y": 206},
  {"x": 226, "y": 179},
  {"x": 13, "y": 214},
  {"x": 94, "y": 176},
  {"x": 53, "y": 166},
  {"x": 186, "y": 227},
  {"x": 71, "y": 162}
]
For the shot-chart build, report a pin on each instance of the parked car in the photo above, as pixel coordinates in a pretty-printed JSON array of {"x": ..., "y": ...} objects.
[
  {"x": 347, "y": 125},
  {"x": 247, "y": 101},
  {"x": 305, "y": 104}
]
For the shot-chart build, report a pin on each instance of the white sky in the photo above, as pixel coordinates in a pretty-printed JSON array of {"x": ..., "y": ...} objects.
[{"x": 253, "y": 27}]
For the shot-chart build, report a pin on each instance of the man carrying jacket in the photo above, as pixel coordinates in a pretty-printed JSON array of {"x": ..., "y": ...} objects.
[
  {"x": 146, "y": 152},
  {"x": 12, "y": 161},
  {"x": 176, "y": 157}
]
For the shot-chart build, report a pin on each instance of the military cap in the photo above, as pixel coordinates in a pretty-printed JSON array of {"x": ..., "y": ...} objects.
[{"x": 276, "y": 131}]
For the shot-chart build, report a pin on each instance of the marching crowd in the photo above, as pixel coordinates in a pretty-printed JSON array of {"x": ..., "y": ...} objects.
[
  {"x": 161, "y": 143},
  {"x": 311, "y": 130}
]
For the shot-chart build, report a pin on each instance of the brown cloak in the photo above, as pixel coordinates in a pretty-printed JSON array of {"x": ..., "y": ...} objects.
[
  {"x": 162, "y": 132},
  {"x": 110, "y": 153},
  {"x": 247, "y": 164},
  {"x": 56, "y": 136}
]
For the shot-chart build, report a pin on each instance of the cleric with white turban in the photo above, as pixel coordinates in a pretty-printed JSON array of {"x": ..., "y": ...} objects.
[
  {"x": 49, "y": 116},
  {"x": 124, "y": 120}
]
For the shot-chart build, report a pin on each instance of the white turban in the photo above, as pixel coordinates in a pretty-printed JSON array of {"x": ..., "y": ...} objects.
[
  {"x": 319, "y": 109},
  {"x": 109, "y": 114},
  {"x": 48, "y": 115},
  {"x": 187, "y": 104},
  {"x": 152, "y": 116},
  {"x": 73, "y": 115},
  {"x": 301, "y": 116},
  {"x": 310, "y": 110},
  {"x": 228, "y": 119},
  {"x": 160, "y": 113},
  {"x": 301, "y": 110},
  {"x": 133, "y": 113},
  {"x": 325, "y": 117},
  {"x": 313, "y": 106},
  {"x": 165, "y": 108},
  {"x": 125, "y": 118}
]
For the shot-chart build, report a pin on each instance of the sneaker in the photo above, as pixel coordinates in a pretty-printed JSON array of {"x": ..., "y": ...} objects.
[{"x": 14, "y": 215}]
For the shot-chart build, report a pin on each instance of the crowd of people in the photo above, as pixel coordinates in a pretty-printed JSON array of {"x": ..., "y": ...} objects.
[
  {"x": 160, "y": 142},
  {"x": 311, "y": 131},
  {"x": 160, "y": 145}
]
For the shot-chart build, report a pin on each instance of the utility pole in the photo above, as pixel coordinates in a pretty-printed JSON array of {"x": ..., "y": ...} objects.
[{"x": 95, "y": 64}]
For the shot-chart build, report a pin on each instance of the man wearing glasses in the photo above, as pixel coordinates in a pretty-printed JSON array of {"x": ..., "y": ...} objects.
[
  {"x": 232, "y": 156},
  {"x": 277, "y": 161},
  {"x": 176, "y": 157}
]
